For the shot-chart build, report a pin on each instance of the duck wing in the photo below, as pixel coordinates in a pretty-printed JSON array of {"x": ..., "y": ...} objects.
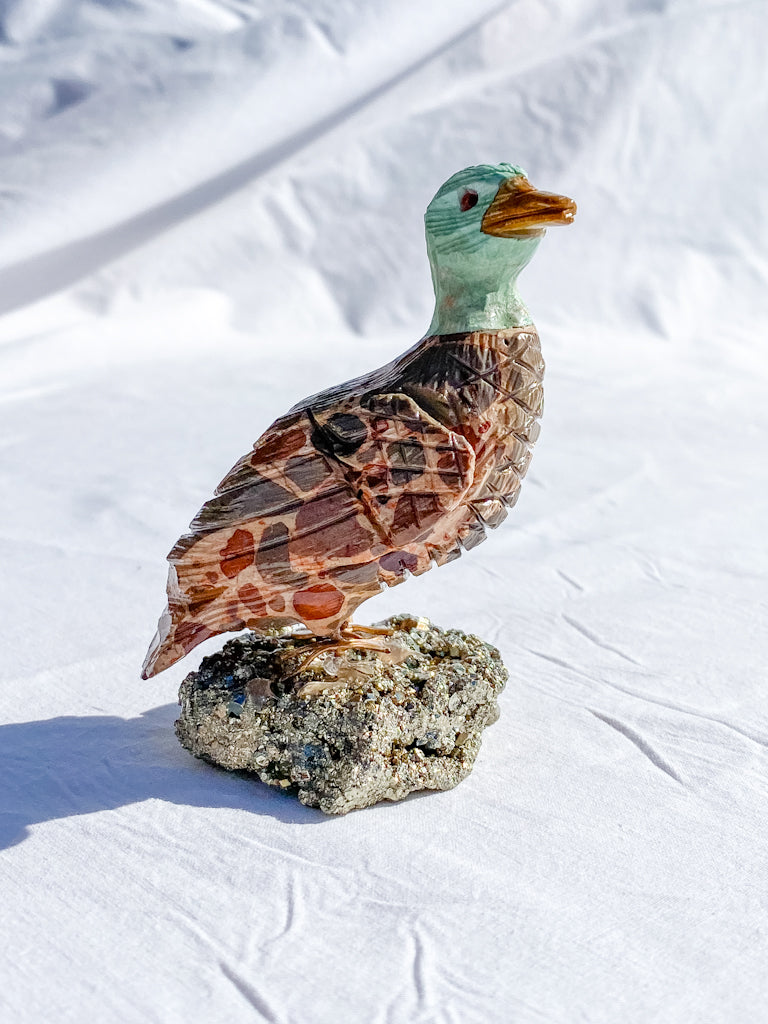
[{"x": 312, "y": 522}]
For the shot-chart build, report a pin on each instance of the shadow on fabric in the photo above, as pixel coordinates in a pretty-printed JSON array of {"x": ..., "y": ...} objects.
[{"x": 68, "y": 766}]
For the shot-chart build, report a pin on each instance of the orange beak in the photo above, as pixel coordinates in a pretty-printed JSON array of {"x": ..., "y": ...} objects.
[{"x": 519, "y": 210}]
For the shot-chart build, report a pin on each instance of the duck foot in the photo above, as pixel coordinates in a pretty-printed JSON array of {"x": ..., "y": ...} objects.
[
  {"x": 351, "y": 637},
  {"x": 349, "y": 631},
  {"x": 320, "y": 645},
  {"x": 352, "y": 631}
]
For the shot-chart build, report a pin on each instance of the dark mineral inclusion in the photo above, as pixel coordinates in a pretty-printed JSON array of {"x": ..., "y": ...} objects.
[{"x": 388, "y": 725}]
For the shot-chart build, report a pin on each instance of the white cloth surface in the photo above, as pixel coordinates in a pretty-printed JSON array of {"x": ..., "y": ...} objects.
[{"x": 212, "y": 209}]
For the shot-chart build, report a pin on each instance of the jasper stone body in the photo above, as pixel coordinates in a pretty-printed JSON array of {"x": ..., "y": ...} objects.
[{"x": 358, "y": 486}]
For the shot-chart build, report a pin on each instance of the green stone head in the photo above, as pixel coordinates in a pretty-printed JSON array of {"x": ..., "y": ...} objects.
[{"x": 483, "y": 226}]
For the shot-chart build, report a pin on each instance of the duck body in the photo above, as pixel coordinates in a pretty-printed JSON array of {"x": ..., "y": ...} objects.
[
  {"x": 389, "y": 474},
  {"x": 357, "y": 488}
]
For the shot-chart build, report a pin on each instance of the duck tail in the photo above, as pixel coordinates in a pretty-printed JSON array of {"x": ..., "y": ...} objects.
[
  {"x": 177, "y": 631},
  {"x": 162, "y": 651}
]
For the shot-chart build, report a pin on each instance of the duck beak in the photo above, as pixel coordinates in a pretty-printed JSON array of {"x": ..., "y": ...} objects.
[{"x": 519, "y": 210}]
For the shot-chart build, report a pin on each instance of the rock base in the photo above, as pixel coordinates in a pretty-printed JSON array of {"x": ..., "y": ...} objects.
[{"x": 352, "y": 729}]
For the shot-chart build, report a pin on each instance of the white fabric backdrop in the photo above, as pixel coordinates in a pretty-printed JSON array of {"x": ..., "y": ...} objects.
[{"x": 211, "y": 209}]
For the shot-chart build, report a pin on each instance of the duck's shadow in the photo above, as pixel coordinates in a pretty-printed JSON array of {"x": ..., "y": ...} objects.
[{"x": 67, "y": 766}]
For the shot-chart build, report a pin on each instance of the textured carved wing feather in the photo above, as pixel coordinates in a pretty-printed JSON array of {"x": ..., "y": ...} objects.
[
  {"x": 406, "y": 468},
  {"x": 271, "y": 482},
  {"x": 356, "y": 488}
]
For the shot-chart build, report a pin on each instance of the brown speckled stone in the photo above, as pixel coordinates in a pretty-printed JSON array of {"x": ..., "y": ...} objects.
[{"x": 391, "y": 730}]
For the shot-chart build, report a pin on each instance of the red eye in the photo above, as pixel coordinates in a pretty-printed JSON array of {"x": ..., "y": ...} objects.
[{"x": 468, "y": 200}]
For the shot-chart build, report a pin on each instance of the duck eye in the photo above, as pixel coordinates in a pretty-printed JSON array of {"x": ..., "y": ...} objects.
[{"x": 468, "y": 200}]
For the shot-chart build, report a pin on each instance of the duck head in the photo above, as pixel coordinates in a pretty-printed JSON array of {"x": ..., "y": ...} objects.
[{"x": 483, "y": 226}]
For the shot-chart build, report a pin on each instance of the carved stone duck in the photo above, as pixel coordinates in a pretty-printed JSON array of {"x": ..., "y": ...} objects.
[{"x": 393, "y": 472}]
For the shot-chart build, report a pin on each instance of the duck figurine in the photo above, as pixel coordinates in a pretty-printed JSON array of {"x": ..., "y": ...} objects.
[{"x": 393, "y": 472}]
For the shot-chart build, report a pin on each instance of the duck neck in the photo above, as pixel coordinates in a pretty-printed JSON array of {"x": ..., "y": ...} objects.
[
  {"x": 460, "y": 309},
  {"x": 477, "y": 291}
]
